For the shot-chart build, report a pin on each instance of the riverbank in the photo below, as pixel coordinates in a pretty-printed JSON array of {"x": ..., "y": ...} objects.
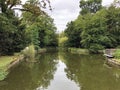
[
  {"x": 4, "y": 63},
  {"x": 113, "y": 57},
  {"x": 113, "y": 62},
  {"x": 82, "y": 51},
  {"x": 78, "y": 51},
  {"x": 7, "y": 62}
]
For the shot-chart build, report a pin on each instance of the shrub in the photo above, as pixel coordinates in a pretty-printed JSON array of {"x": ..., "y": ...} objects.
[
  {"x": 29, "y": 52},
  {"x": 95, "y": 48},
  {"x": 62, "y": 41},
  {"x": 117, "y": 54}
]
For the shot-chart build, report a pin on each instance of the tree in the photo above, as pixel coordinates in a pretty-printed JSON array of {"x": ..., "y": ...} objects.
[
  {"x": 113, "y": 24},
  {"x": 7, "y": 5},
  {"x": 43, "y": 27},
  {"x": 47, "y": 31},
  {"x": 95, "y": 36},
  {"x": 16, "y": 33},
  {"x": 73, "y": 35},
  {"x": 7, "y": 31},
  {"x": 90, "y": 6}
]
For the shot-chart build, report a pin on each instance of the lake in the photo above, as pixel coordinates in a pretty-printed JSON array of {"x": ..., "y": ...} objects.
[{"x": 63, "y": 71}]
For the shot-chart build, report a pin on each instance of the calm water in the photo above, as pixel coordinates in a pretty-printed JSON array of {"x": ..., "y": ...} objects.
[{"x": 63, "y": 71}]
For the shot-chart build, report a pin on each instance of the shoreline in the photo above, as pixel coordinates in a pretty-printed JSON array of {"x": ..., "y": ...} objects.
[
  {"x": 113, "y": 62},
  {"x": 12, "y": 61}
]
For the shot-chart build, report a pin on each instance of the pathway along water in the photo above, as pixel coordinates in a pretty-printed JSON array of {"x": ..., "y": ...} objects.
[{"x": 63, "y": 71}]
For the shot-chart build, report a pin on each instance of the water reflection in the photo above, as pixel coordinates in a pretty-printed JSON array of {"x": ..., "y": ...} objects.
[
  {"x": 89, "y": 72},
  {"x": 61, "y": 82},
  {"x": 63, "y": 71},
  {"x": 30, "y": 76}
]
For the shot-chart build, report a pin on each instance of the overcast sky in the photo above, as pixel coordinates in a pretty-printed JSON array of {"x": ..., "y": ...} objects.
[{"x": 66, "y": 10}]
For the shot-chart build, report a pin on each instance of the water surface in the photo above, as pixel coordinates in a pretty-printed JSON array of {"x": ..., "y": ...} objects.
[{"x": 63, "y": 71}]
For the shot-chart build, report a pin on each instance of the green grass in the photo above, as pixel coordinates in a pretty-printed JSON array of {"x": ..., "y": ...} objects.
[
  {"x": 78, "y": 50},
  {"x": 117, "y": 54},
  {"x": 4, "y": 62}
]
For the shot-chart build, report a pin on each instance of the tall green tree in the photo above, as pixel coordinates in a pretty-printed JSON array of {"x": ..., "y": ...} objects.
[
  {"x": 43, "y": 26},
  {"x": 113, "y": 23},
  {"x": 7, "y": 31},
  {"x": 95, "y": 36},
  {"x": 73, "y": 35}
]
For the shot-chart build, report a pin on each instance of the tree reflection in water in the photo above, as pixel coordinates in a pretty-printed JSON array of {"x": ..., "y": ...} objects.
[
  {"x": 54, "y": 70},
  {"x": 29, "y": 76},
  {"x": 90, "y": 73}
]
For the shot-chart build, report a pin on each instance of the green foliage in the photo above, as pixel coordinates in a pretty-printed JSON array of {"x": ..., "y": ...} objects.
[
  {"x": 73, "y": 35},
  {"x": 7, "y": 31},
  {"x": 47, "y": 31},
  {"x": 62, "y": 41},
  {"x": 117, "y": 54},
  {"x": 12, "y": 35},
  {"x": 33, "y": 34},
  {"x": 90, "y": 6},
  {"x": 94, "y": 48},
  {"x": 95, "y": 28},
  {"x": 78, "y": 51},
  {"x": 21, "y": 39},
  {"x": 34, "y": 26},
  {"x": 41, "y": 30},
  {"x": 3, "y": 74},
  {"x": 29, "y": 53},
  {"x": 113, "y": 23},
  {"x": 95, "y": 36}
]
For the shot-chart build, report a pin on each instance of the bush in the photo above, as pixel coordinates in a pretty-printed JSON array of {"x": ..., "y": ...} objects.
[
  {"x": 117, "y": 54},
  {"x": 78, "y": 50},
  {"x": 29, "y": 52},
  {"x": 95, "y": 48},
  {"x": 62, "y": 41}
]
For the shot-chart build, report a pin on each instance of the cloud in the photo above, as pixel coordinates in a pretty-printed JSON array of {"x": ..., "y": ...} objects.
[{"x": 63, "y": 12}]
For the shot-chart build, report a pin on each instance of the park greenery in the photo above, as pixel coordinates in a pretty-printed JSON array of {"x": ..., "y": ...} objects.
[
  {"x": 96, "y": 28},
  {"x": 25, "y": 28},
  {"x": 4, "y": 63},
  {"x": 117, "y": 54},
  {"x": 33, "y": 27}
]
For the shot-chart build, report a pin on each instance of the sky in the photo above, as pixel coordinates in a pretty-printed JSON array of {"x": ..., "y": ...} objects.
[{"x": 65, "y": 11}]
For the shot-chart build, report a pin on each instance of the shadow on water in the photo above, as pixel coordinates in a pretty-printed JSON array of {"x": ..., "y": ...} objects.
[{"x": 55, "y": 69}]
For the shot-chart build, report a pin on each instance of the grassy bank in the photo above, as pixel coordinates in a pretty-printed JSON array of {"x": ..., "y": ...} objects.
[
  {"x": 4, "y": 62},
  {"x": 78, "y": 51},
  {"x": 116, "y": 55}
]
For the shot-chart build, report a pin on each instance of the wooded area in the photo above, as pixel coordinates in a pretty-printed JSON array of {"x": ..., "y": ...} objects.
[
  {"x": 96, "y": 28},
  {"x": 34, "y": 26}
]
